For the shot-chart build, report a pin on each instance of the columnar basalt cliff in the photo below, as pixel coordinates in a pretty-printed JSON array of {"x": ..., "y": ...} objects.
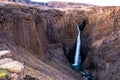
[
  {"x": 36, "y": 37},
  {"x": 41, "y": 32}
]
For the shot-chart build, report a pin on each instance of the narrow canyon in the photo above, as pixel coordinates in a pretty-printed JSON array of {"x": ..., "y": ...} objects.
[{"x": 36, "y": 36}]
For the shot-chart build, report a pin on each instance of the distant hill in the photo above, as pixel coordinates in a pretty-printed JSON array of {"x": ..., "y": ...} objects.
[{"x": 55, "y": 4}]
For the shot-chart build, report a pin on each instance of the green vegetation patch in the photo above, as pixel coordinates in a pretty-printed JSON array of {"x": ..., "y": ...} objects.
[{"x": 4, "y": 74}]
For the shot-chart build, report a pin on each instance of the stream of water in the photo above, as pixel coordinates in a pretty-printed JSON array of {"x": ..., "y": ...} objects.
[{"x": 77, "y": 59}]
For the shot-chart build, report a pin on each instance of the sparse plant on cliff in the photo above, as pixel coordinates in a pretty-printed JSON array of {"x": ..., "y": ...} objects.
[{"x": 3, "y": 74}]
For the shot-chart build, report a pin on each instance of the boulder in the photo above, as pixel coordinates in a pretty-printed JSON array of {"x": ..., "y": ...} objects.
[
  {"x": 14, "y": 66},
  {"x": 5, "y": 54},
  {"x": 5, "y": 60}
]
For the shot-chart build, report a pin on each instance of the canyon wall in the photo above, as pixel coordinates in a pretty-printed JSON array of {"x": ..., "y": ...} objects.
[
  {"x": 42, "y": 32},
  {"x": 102, "y": 39},
  {"x": 20, "y": 27}
]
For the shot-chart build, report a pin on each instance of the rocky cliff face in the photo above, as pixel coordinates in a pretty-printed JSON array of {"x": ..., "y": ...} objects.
[
  {"x": 36, "y": 37},
  {"x": 101, "y": 37},
  {"x": 42, "y": 33}
]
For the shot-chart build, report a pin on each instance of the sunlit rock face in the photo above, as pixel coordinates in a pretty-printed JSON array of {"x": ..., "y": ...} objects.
[{"x": 30, "y": 32}]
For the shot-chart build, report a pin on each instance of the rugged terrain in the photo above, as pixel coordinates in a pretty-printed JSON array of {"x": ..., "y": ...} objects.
[
  {"x": 36, "y": 37},
  {"x": 52, "y": 4}
]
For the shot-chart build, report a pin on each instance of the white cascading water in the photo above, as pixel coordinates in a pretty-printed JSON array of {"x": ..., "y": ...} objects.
[{"x": 77, "y": 60}]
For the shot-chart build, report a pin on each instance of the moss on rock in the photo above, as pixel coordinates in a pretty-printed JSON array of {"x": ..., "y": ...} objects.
[{"x": 4, "y": 74}]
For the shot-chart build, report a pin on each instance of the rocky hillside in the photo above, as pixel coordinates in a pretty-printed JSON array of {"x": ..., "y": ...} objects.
[
  {"x": 36, "y": 38},
  {"x": 56, "y": 4},
  {"x": 53, "y": 4},
  {"x": 102, "y": 42}
]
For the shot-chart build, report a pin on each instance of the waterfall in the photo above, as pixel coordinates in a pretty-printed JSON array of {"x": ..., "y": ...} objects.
[{"x": 77, "y": 59}]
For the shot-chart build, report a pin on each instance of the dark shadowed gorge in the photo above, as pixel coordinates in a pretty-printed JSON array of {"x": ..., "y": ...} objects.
[{"x": 36, "y": 36}]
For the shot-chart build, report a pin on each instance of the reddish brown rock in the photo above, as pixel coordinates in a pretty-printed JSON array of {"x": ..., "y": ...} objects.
[
  {"x": 37, "y": 31},
  {"x": 101, "y": 37}
]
